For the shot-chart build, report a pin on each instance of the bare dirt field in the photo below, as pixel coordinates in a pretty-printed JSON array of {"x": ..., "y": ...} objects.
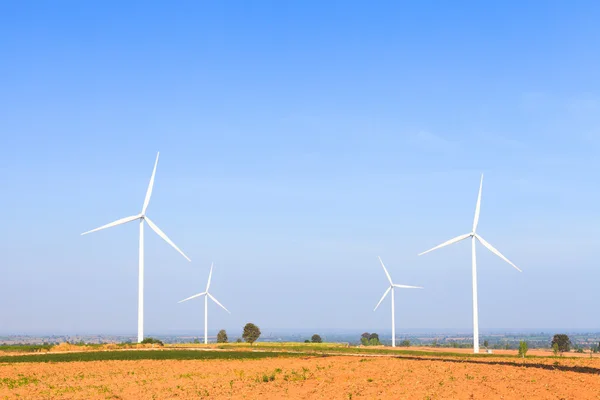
[{"x": 337, "y": 377}]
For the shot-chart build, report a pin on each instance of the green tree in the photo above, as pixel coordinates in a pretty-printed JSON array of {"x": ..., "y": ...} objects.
[
  {"x": 523, "y": 348},
  {"x": 374, "y": 340},
  {"x": 238, "y": 340},
  {"x": 364, "y": 338},
  {"x": 307, "y": 341},
  {"x": 196, "y": 341},
  {"x": 563, "y": 342},
  {"x": 316, "y": 339},
  {"x": 486, "y": 344},
  {"x": 222, "y": 336},
  {"x": 405, "y": 343},
  {"x": 555, "y": 349},
  {"x": 251, "y": 333}
]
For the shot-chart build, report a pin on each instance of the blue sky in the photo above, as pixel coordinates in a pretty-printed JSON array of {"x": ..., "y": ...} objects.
[{"x": 298, "y": 142}]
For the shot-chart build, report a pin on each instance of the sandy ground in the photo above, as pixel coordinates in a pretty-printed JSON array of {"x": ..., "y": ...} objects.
[{"x": 305, "y": 378}]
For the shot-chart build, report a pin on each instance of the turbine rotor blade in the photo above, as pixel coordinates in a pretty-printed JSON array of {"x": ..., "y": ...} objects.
[
  {"x": 407, "y": 287},
  {"x": 386, "y": 272},
  {"x": 217, "y": 301},
  {"x": 478, "y": 206},
  {"x": 192, "y": 297},
  {"x": 383, "y": 297},
  {"x": 449, "y": 242},
  {"x": 495, "y": 251},
  {"x": 165, "y": 237},
  {"x": 115, "y": 223},
  {"x": 209, "y": 277},
  {"x": 150, "y": 186}
]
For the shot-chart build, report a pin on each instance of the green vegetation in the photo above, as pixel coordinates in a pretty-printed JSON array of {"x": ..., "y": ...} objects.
[
  {"x": 370, "y": 339},
  {"x": 555, "y": 349},
  {"x": 523, "y": 348},
  {"x": 152, "y": 341},
  {"x": 405, "y": 343},
  {"x": 222, "y": 336},
  {"x": 316, "y": 339},
  {"x": 563, "y": 342},
  {"x": 146, "y": 355},
  {"x": 22, "y": 348},
  {"x": 251, "y": 333},
  {"x": 22, "y": 380}
]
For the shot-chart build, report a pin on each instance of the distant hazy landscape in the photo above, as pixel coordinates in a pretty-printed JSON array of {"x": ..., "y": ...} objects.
[{"x": 495, "y": 340}]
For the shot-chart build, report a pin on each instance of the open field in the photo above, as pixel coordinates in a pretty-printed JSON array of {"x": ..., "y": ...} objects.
[{"x": 266, "y": 374}]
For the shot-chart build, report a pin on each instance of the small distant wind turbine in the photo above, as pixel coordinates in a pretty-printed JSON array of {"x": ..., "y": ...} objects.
[
  {"x": 473, "y": 235},
  {"x": 142, "y": 217},
  {"x": 392, "y": 287},
  {"x": 206, "y": 296}
]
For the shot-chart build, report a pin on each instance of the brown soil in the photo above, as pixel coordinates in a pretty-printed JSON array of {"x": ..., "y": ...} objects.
[{"x": 336, "y": 377}]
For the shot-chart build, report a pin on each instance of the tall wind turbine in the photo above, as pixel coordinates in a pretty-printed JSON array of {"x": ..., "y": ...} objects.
[
  {"x": 474, "y": 235},
  {"x": 392, "y": 287},
  {"x": 142, "y": 217},
  {"x": 206, "y": 296}
]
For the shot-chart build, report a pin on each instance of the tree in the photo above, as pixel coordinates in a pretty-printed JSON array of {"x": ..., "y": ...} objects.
[
  {"x": 374, "y": 340},
  {"x": 364, "y": 338},
  {"x": 307, "y": 341},
  {"x": 196, "y": 341},
  {"x": 370, "y": 339},
  {"x": 251, "y": 333},
  {"x": 405, "y": 343},
  {"x": 563, "y": 342},
  {"x": 486, "y": 344},
  {"x": 238, "y": 340},
  {"x": 523, "y": 348},
  {"x": 316, "y": 339},
  {"x": 222, "y": 336}
]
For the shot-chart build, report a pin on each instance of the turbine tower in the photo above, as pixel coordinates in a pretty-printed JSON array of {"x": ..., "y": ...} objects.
[
  {"x": 206, "y": 296},
  {"x": 474, "y": 235},
  {"x": 142, "y": 217},
  {"x": 392, "y": 287}
]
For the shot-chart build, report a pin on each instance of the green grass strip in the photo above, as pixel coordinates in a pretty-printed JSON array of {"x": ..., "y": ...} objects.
[{"x": 145, "y": 355}]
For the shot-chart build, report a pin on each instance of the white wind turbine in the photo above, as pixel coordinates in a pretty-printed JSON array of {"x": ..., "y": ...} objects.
[
  {"x": 142, "y": 217},
  {"x": 392, "y": 287},
  {"x": 206, "y": 296},
  {"x": 473, "y": 235}
]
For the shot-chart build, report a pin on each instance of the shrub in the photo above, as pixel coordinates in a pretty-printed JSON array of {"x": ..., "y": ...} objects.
[
  {"x": 405, "y": 343},
  {"x": 307, "y": 341},
  {"x": 523, "y": 348},
  {"x": 555, "y": 349},
  {"x": 222, "y": 336},
  {"x": 251, "y": 333},
  {"x": 150, "y": 340},
  {"x": 316, "y": 339},
  {"x": 238, "y": 340}
]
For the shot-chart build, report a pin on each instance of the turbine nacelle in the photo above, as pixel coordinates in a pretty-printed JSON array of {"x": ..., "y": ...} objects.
[{"x": 392, "y": 285}]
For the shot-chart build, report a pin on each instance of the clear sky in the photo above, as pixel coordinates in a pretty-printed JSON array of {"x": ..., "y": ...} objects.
[{"x": 299, "y": 141}]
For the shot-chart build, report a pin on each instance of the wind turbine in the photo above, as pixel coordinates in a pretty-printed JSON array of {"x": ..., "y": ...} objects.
[
  {"x": 392, "y": 287},
  {"x": 474, "y": 235},
  {"x": 206, "y": 296},
  {"x": 142, "y": 217}
]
